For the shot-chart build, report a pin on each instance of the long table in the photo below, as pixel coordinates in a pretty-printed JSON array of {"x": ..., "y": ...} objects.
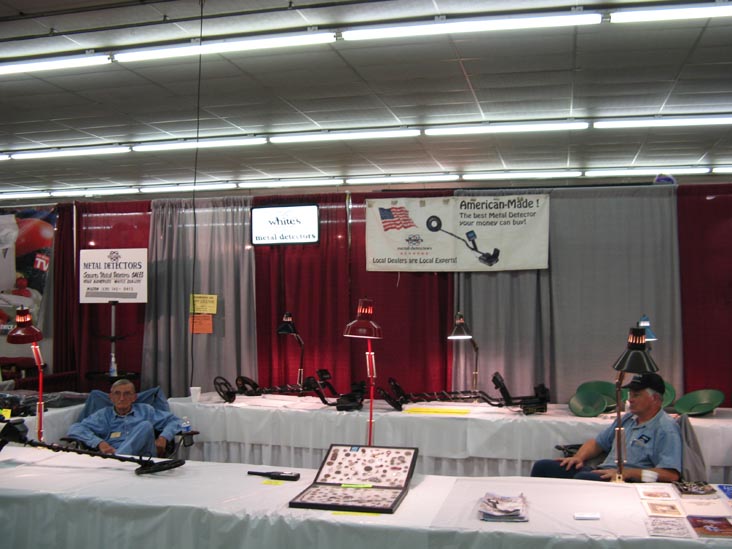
[
  {"x": 453, "y": 439},
  {"x": 64, "y": 500}
]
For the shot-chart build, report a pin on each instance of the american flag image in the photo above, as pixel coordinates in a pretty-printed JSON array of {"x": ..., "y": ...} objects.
[{"x": 395, "y": 218}]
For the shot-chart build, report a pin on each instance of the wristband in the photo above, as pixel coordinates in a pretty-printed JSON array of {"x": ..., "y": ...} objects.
[{"x": 649, "y": 476}]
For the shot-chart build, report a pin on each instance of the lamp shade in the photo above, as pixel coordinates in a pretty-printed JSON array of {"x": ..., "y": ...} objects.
[
  {"x": 460, "y": 330},
  {"x": 636, "y": 359},
  {"x": 645, "y": 323},
  {"x": 363, "y": 326},
  {"x": 24, "y": 331},
  {"x": 287, "y": 327}
]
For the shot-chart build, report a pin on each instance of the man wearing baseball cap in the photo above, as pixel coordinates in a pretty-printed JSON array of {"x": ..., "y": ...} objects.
[{"x": 652, "y": 442}]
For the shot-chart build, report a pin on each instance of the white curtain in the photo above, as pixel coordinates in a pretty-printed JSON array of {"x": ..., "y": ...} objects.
[
  {"x": 613, "y": 256},
  {"x": 199, "y": 247}
]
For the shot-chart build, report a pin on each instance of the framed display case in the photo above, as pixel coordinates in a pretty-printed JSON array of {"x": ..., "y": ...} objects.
[{"x": 360, "y": 478}]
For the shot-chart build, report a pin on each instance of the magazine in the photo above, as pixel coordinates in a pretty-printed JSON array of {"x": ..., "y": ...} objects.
[
  {"x": 726, "y": 489},
  {"x": 711, "y": 527},
  {"x": 665, "y": 508},
  {"x": 668, "y": 527},
  {"x": 695, "y": 489},
  {"x": 655, "y": 491},
  {"x": 497, "y": 508}
]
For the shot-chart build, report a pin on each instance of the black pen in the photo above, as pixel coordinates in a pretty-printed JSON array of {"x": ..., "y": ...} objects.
[{"x": 276, "y": 475}]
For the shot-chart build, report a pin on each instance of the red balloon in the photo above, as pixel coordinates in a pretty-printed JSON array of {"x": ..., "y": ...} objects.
[{"x": 33, "y": 234}]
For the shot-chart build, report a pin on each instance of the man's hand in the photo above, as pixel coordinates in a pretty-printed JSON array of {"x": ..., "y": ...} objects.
[
  {"x": 106, "y": 447},
  {"x": 160, "y": 444},
  {"x": 572, "y": 462}
]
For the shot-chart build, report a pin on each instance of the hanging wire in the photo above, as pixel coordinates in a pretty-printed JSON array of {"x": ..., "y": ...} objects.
[{"x": 194, "y": 254}]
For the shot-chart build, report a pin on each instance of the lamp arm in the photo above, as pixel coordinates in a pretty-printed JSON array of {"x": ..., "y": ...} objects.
[
  {"x": 302, "y": 357},
  {"x": 619, "y": 431},
  {"x": 475, "y": 364}
]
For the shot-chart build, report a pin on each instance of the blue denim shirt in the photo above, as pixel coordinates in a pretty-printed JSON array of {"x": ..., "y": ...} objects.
[
  {"x": 655, "y": 443},
  {"x": 107, "y": 425}
]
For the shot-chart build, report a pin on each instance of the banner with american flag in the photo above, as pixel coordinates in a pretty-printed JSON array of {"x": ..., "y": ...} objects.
[{"x": 481, "y": 233}]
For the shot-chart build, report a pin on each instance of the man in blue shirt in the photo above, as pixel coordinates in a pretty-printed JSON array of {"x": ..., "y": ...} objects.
[
  {"x": 126, "y": 427},
  {"x": 652, "y": 442}
]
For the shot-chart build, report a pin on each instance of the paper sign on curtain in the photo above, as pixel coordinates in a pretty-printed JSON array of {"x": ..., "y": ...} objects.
[{"x": 484, "y": 233}]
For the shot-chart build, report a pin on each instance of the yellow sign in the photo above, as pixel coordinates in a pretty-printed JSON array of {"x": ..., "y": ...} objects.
[
  {"x": 203, "y": 304},
  {"x": 5, "y": 412}
]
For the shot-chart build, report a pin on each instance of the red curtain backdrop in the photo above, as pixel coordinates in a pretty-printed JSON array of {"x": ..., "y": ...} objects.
[
  {"x": 414, "y": 311},
  {"x": 321, "y": 284},
  {"x": 705, "y": 249},
  {"x": 65, "y": 295},
  {"x": 101, "y": 226},
  {"x": 311, "y": 282}
]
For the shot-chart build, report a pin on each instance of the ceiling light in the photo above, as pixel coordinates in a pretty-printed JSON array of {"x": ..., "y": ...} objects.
[
  {"x": 4, "y": 157},
  {"x": 427, "y": 178},
  {"x": 631, "y": 172},
  {"x": 474, "y": 25},
  {"x": 508, "y": 128},
  {"x": 51, "y": 64},
  {"x": 722, "y": 169},
  {"x": 665, "y": 122},
  {"x": 224, "y": 46},
  {"x": 488, "y": 176},
  {"x": 107, "y": 191},
  {"x": 22, "y": 195},
  {"x": 203, "y": 144},
  {"x": 343, "y": 136},
  {"x": 199, "y": 187},
  {"x": 671, "y": 13},
  {"x": 280, "y": 183},
  {"x": 86, "y": 151}
]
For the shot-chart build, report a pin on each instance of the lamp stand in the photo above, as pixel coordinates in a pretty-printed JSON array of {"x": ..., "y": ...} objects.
[
  {"x": 302, "y": 356},
  {"x": 475, "y": 365},
  {"x": 619, "y": 431},
  {"x": 39, "y": 406},
  {"x": 371, "y": 373},
  {"x": 112, "y": 340}
]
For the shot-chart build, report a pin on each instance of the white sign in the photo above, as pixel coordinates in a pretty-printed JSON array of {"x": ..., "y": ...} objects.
[
  {"x": 480, "y": 233},
  {"x": 285, "y": 224},
  {"x": 113, "y": 275}
]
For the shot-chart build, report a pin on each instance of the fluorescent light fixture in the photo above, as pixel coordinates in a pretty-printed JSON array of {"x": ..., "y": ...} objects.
[
  {"x": 426, "y": 178},
  {"x": 722, "y": 169},
  {"x": 676, "y": 13},
  {"x": 284, "y": 183},
  {"x": 202, "y": 144},
  {"x": 22, "y": 195},
  {"x": 54, "y": 63},
  {"x": 547, "y": 174},
  {"x": 91, "y": 191},
  {"x": 632, "y": 172},
  {"x": 84, "y": 151},
  {"x": 665, "y": 122},
  {"x": 4, "y": 157},
  {"x": 224, "y": 46},
  {"x": 474, "y": 25},
  {"x": 343, "y": 136},
  {"x": 518, "y": 127},
  {"x": 187, "y": 187}
]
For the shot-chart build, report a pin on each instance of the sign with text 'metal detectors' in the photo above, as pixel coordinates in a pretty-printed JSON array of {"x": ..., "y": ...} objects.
[
  {"x": 113, "y": 275},
  {"x": 285, "y": 224},
  {"x": 479, "y": 233}
]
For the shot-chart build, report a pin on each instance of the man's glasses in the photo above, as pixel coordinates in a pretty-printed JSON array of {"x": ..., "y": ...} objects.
[{"x": 123, "y": 394}]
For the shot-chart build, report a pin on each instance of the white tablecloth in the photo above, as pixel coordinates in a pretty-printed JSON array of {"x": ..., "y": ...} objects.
[
  {"x": 70, "y": 501},
  {"x": 459, "y": 440}
]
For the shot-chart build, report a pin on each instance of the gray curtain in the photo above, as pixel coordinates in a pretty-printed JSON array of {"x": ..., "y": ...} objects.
[
  {"x": 613, "y": 256},
  {"x": 199, "y": 247}
]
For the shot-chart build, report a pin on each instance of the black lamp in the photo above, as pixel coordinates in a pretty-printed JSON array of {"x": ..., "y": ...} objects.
[
  {"x": 635, "y": 360},
  {"x": 365, "y": 328},
  {"x": 461, "y": 331},
  {"x": 287, "y": 327},
  {"x": 23, "y": 334}
]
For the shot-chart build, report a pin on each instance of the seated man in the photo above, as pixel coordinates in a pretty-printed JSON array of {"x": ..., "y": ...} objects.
[
  {"x": 126, "y": 427},
  {"x": 652, "y": 442}
]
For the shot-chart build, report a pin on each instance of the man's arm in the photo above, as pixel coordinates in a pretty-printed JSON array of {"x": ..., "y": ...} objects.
[
  {"x": 588, "y": 450},
  {"x": 92, "y": 430}
]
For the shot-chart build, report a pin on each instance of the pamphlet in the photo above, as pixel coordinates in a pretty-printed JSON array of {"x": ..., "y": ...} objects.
[
  {"x": 711, "y": 527},
  {"x": 662, "y": 508},
  {"x": 668, "y": 527},
  {"x": 498, "y": 508}
]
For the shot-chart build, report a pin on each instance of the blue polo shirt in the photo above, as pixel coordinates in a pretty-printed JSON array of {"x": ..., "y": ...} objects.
[
  {"x": 653, "y": 444},
  {"x": 107, "y": 425}
]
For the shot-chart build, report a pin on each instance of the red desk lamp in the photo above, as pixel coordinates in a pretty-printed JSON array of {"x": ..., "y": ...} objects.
[
  {"x": 365, "y": 328},
  {"x": 24, "y": 333}
]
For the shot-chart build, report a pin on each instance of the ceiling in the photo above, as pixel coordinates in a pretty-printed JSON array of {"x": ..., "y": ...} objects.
[{"x": 584, "y": 73}]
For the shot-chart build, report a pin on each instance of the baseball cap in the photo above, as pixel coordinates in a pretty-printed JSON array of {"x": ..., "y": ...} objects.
[{"x": 646, "y": 381}]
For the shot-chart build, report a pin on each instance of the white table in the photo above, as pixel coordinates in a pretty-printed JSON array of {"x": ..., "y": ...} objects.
[
  {"x": 486, "y": 441},
  {"x": 70, "y": 501}
]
